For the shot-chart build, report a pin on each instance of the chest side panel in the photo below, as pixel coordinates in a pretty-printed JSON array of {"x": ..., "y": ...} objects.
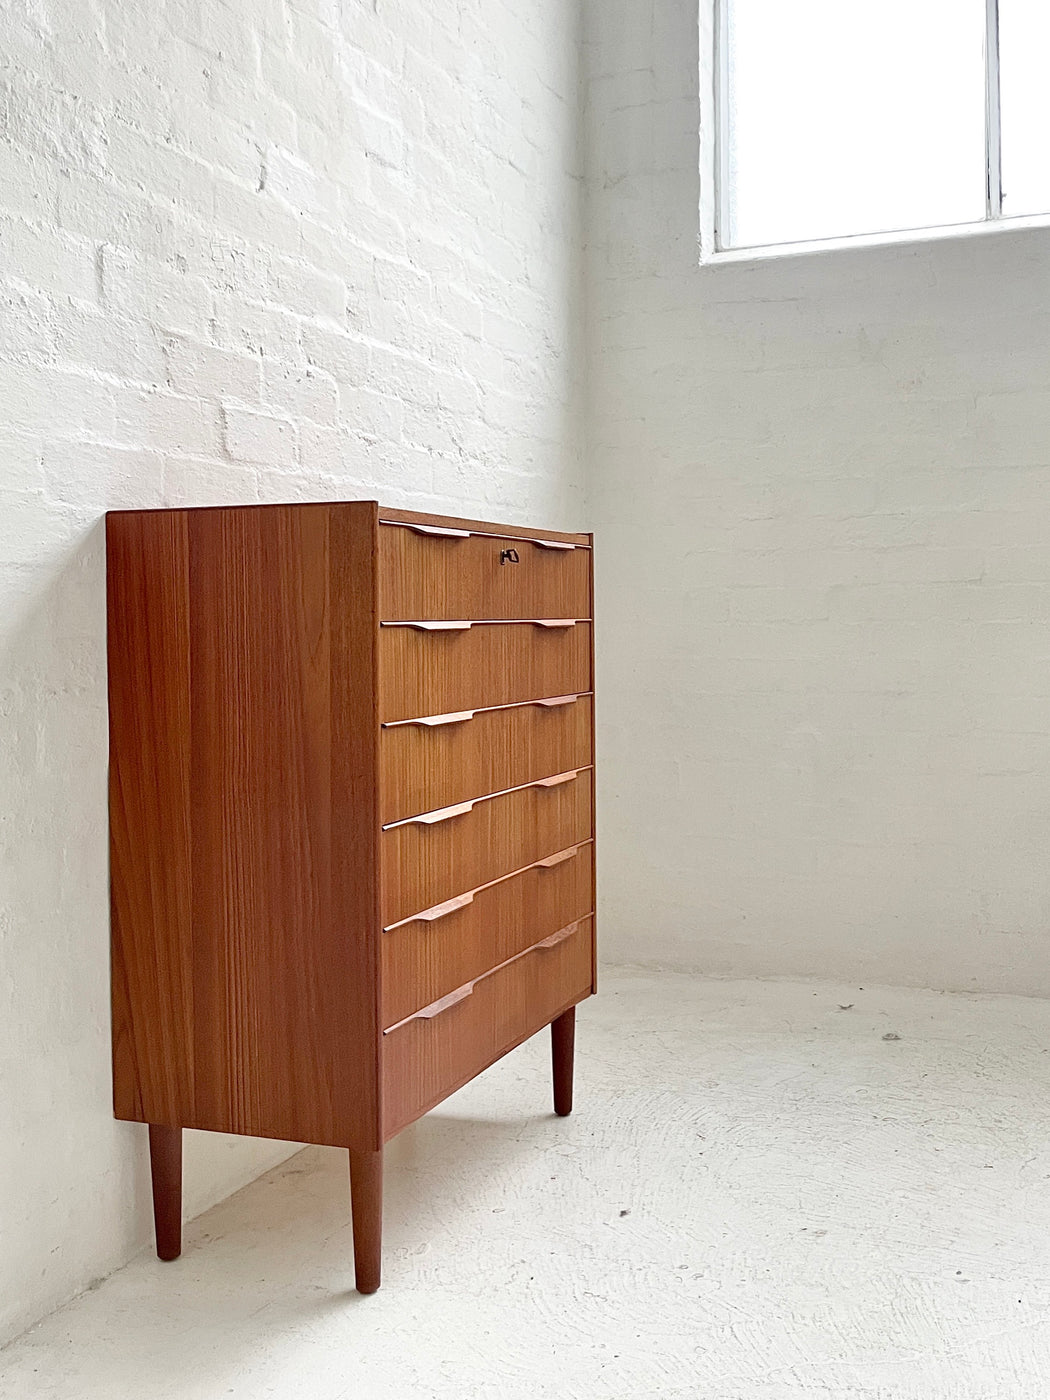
[{"x": 277, "y": 1028}]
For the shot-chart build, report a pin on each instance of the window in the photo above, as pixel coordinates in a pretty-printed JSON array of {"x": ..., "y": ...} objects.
[{"x": 845, "y": 118}]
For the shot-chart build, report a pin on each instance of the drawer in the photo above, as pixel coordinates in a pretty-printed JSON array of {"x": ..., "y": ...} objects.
[
  {"x": 444, "y": 1045},
  {"x": 440, "y": 854},
  {"x": 474, "y": 666},
  {"x": 441, "y": 949},
  {"x": 444, "y": 759},
  {"x": 428, "y": 571}
]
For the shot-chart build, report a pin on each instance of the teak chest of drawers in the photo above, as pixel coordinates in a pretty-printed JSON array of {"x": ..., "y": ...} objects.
[{"x": 351, "y": 822}]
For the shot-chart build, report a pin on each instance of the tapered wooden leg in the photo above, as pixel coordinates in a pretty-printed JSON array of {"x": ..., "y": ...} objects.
[
  {"x": 165, "y": 1164},
  {"x": 366, "y": 1200},
  {"x": 563, "y": 1039}
]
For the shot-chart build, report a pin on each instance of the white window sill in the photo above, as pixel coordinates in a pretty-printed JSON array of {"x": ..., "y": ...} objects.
[{"x": 900, "y": 238}]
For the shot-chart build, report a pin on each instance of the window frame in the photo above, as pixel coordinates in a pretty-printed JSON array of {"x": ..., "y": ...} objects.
[{"x": 714, "y": 179}]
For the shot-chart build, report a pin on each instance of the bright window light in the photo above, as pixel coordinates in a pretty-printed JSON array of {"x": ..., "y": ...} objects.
[
  {"x": 1024, "y": 86},
  {"x": 845, "y": 118}
]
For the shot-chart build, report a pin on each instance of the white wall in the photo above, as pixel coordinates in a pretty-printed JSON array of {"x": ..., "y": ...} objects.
[
  {"x": 249, "y": 251},
  {"x": 823, "y": 504}
]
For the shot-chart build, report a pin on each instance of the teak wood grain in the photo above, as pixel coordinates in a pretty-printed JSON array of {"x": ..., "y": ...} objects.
[
  {"x": 480, "y": 576},
  {"x": 425, "y": 1060},
  {"x": 422, "y": 865},
  {"x": 250, "y": 676},
  {"x": 235, "y": 764},
  {"x": 426, "y": 958},
  {"x": 498, "y": 663},
  {"x": 423, "y": 766},
  {"x": 150, "y": 833}
]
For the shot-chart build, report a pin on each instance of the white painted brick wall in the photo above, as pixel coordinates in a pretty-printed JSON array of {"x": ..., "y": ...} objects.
[
  {"x": 822, "y": 491},
  {"x": 250, "y": 250}
]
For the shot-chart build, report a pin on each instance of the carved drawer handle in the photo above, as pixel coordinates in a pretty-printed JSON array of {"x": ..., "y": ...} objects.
[
  {"x": 557, "y": 780},
  {"x": 436, "y": 1007},
  {"x": 556, "y": 700},
  {"x": 553, "y": 544},
  {"x": 443, "y": 532},
  {"x": 438, "y": 911},
  {"x": 427, "y": 1013},
  {"x": 443, "y": 814},
  {"x": 439, "y": 626},
  {"x": 553, "y": 622},
  {"x": 433, "y": 721},
  {"x": 549, "y": 861},
  {"x": 560, "y": 936}
]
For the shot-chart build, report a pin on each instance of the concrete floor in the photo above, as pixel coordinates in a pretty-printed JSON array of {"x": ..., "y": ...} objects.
[{"x": 764, "y": 1194}]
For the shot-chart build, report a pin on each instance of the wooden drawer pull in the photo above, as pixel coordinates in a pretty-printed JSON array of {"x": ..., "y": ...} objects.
[
  {"x": 553, "y": 544},
  {"x": 438, "y": 911},
  {"x": 559, "y": 937},
  {"x": 443, "y": 814},
  {"x": 436, "y": 626},
  {"x": 443, "y": 1003},
  {"x": 556, "y": 700},
  {"x": 443, "y": 532},
  {"x": 556, "y": 781},
  {"x": 435, "y": 1008},
  {"x": 433, "y": 721},
  {"x": 549, "y": 861},
  {"x": 552, "y": 622}
]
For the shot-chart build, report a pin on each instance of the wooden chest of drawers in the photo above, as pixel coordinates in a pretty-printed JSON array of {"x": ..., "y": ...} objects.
[{"x": 351, "y": 822}]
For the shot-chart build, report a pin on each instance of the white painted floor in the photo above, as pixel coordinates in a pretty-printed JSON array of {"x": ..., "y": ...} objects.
[{"x": 762, "y": 1195}]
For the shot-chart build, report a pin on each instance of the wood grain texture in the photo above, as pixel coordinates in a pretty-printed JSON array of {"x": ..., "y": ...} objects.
[
  {"x": 424, "y": 865},
  {"x": 426, "y": 576},
  {"x": 150, "y": 762},
  {"x": 456, "y": 522},
  {"x": 423, "y": 767},
  {"x": 424, "y": 959},
  {"x": 352, "y": 940},
  {"x": 428, "y": 673},
  {"x": 425, "y": 1060},
  {"x": 271, "y": 943}
]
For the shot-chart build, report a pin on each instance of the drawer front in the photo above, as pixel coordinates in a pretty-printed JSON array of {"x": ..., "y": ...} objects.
[
  {"x": 426, "y": 958},
  {"x": 449, "y": 758},
  {"x": 438, "y": 672},
  {"x": 429, "y": 572},
  {"x": 428, "y": 861},
  {"x": 425, "y": 1059}
]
